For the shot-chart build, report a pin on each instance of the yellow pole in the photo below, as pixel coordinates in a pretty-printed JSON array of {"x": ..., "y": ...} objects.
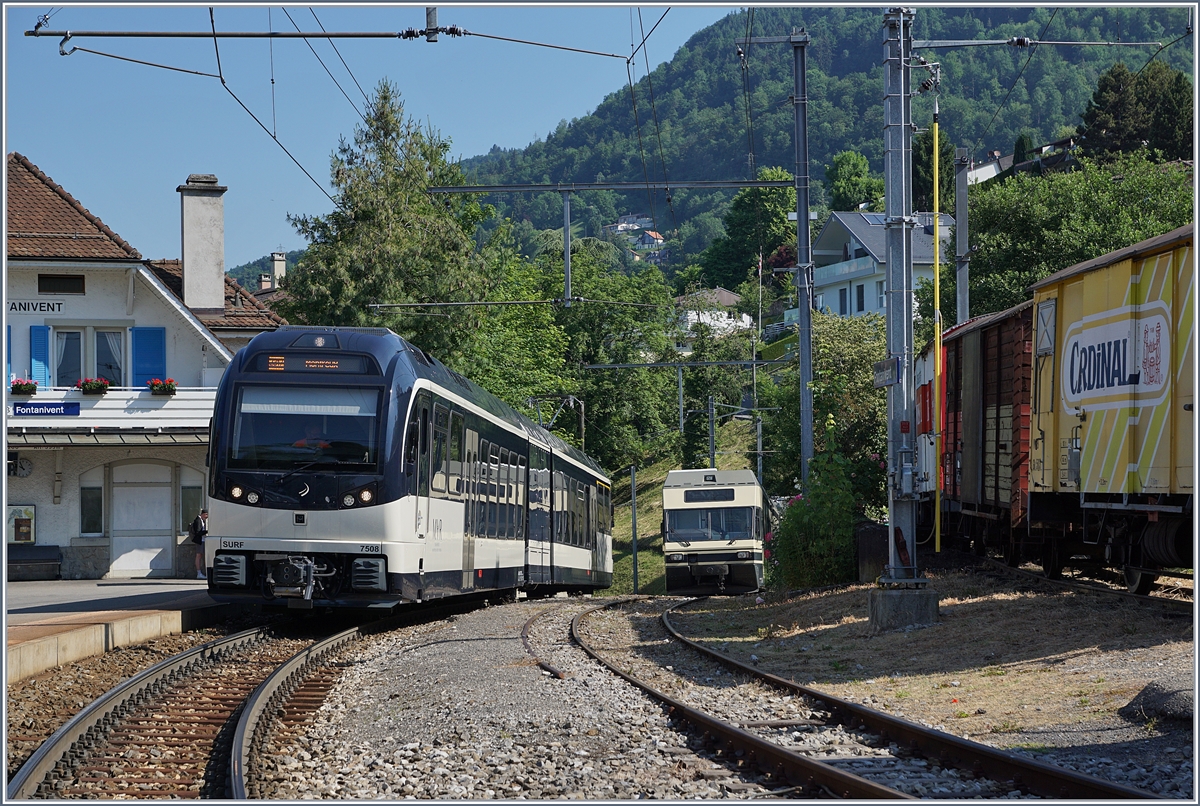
[{"x": 937, "y": 348}]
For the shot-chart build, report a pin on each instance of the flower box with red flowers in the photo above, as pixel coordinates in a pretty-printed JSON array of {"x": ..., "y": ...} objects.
[
  {"x": 21, "y": 386},
  {"x": 160, "y": 387},
  {"x": 92, "y": 386}
]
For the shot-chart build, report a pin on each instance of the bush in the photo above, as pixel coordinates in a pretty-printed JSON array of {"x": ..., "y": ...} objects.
[{"x": 814, "y": 543}]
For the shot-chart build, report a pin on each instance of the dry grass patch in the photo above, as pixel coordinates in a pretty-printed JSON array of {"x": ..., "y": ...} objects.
[{"x": 1003, "y": 658}]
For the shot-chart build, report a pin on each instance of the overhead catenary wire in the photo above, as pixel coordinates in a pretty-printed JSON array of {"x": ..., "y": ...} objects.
[
  {"x": 654, "y": 109},
  {"x": 271, "y": 54},
  {"x": 232, "y": 94},
  {"x": 630, "y": 65},
  {"x": 1013, "y": 86},
  {"x": 339, "y": 55},
  {"x": 326, "y": 68},
  {"x": 485, "y": 303}
]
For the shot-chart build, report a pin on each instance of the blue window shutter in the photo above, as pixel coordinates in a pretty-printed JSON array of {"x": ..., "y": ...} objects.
[
  {"x": 39, "y": 354},
  {"x": 149, "y": 354}
]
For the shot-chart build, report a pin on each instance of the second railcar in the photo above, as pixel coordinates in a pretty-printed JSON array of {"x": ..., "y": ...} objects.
[{"x": 713, "y": 527}]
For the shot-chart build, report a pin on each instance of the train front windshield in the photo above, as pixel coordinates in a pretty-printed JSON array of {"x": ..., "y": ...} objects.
[
  {"x": 718, "y": 523},
  {"x": 280, "y": 427}
]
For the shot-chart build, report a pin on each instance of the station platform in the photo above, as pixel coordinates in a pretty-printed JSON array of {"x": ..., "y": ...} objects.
[{"x": 54, "y": 622}]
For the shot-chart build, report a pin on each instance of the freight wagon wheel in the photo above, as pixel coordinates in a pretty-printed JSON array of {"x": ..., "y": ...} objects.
[
  {"x": 1012, "y": 553},
  {"x": 1052, "y": 560},
  {"x": 1139, "y": 582}
]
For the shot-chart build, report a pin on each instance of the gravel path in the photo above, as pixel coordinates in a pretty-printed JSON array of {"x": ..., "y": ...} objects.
[{"x": 465, "y": 712}]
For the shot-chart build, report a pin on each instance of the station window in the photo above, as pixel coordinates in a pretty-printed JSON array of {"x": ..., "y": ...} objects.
[
  {"x": 91, "y": 502},
  {"x": 60, "y": 284}
]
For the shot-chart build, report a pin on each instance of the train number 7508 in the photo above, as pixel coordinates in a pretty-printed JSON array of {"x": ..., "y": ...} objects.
[{"x": 366, "y": 549}]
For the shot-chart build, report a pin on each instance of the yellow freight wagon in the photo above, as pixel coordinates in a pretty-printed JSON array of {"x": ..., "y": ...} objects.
[{"x": 1111, "y": 445}]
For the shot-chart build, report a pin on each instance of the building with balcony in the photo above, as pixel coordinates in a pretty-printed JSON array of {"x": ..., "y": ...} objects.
[
  {"x": 114, "y": 479},
  {"x": 850, "y": 260}
]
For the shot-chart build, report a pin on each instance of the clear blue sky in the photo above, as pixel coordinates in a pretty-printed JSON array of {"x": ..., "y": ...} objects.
[{"x": 121, "y": 137}]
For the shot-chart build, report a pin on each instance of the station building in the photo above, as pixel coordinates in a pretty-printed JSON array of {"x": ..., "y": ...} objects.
[{"x": 112, "y": 480}]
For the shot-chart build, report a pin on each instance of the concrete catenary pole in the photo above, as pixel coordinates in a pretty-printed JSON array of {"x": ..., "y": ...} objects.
[
  {"x": 898, "y": 223},
  {"x": 804, "y": 267},
  {"x": 962, "y": 243}
]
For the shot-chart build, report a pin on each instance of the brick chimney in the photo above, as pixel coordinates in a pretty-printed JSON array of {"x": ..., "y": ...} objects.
[
  {"x": 202, "y": 208},
  {"x": 278, "y": 267},
  {"x": 265, "y": 282}
]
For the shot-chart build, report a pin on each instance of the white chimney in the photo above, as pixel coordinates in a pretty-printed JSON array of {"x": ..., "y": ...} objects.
[
  {"x": 203, "y": 226},
  {"x": 278, "y": 267}
]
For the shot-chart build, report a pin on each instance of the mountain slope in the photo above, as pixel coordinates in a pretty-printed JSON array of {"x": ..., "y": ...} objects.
[{"x": 989, "y": 96}]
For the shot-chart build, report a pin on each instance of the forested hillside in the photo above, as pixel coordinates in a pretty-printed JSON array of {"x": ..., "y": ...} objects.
[{"x": 990, "y": 96}]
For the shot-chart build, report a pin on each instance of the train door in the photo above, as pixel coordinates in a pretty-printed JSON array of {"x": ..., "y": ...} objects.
[
  {"x": 424, "y": 426},
  {"x": 470, "y": 508},
  {"x": 537, "y": 535}
]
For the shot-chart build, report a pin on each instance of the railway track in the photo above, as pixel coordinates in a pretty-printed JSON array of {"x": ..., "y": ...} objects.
[
  {"x": 192, "y": 726},
  {"x": 804, "y": 741}
]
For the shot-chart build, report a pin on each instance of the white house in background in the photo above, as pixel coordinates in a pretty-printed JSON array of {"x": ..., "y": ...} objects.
[
  {"x": 113, "y": 480},
  {"x": 713, "y": 307},
  {"x": 850, "y": 260}
]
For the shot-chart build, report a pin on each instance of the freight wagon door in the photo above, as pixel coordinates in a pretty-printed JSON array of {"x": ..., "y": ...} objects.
[{"x": 972, "y": 419}]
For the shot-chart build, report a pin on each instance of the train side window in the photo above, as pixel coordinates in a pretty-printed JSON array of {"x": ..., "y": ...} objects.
[
  {"x": 423, "y": 461},
  {"x": 456, "y": 453},
  {"x": 412, "y": 444},
  {"x": 441, "y": 421},
  {"x": 522, "y": 497},
  {"x": 494, "y": 491},
  {"x": 557, "y": 505},
  {"x": 480, "y": 493},
  {"x": 505, "y": 517}
]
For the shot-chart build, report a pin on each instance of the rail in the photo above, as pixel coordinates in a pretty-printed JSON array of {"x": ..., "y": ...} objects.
[
  {"x": 1037, "y": 777},
  {"x": 66, "y": 746}
]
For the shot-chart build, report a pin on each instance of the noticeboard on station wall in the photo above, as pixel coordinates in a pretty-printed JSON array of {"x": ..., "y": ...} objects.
[{"x": 19, "y": 525}]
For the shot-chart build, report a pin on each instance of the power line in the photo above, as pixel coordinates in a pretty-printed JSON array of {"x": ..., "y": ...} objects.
[
  {"x": 558, "y": 301},
  {"x": 322, "y": 63},
  {"x": 271, "y": 53},
  {"x": 220, "y": 75},
  {"x": 1015, "y": 80},
  {"x": 638, "y": 124},
  {"x": 339, "y": 55},
  {"x": 657, "y": 130}
]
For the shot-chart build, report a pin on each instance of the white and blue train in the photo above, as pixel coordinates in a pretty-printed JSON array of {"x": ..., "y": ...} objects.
[{"x": 348, "y": 468}]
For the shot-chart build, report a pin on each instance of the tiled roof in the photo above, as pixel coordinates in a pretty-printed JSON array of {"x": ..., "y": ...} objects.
[
  {"x": 242, "y": 309},
  {"x": 45, "y": 221}
]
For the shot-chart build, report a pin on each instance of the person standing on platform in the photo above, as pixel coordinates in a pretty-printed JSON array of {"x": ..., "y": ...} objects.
[{"x": 197, "y": 531}]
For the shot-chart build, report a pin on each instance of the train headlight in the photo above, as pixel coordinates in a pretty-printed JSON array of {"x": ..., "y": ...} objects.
[
  {"x": 252, "y": 497},
  {"x": 236, "y": 492},
  {"x": 365, "y": 496},
  {"x": 348, "y": 500},
  {"x": 675, "y": 558},
  {"x": 743, "y": 555}
]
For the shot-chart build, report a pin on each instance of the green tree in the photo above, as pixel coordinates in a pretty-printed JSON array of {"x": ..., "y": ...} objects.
[
  {"x": 630, "y": 413},
  {"x": 389, "y": 240},
  {"x": 756, "y": 223},
  {"x": 844, "y": 352},
  {"x": 1022, "y": 148},
  {"x": 851, "y": 183},
  {"x": 724, "y": 384},
  {"x": 814, "y": 543},
  {"x": 1173, "y": 125},
  {"x": 1027, "y": 227},
  {"x": 518, "y": 351},
  {"x": 922, "y": 149},
  {"x": 1129, "y": 111}
]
